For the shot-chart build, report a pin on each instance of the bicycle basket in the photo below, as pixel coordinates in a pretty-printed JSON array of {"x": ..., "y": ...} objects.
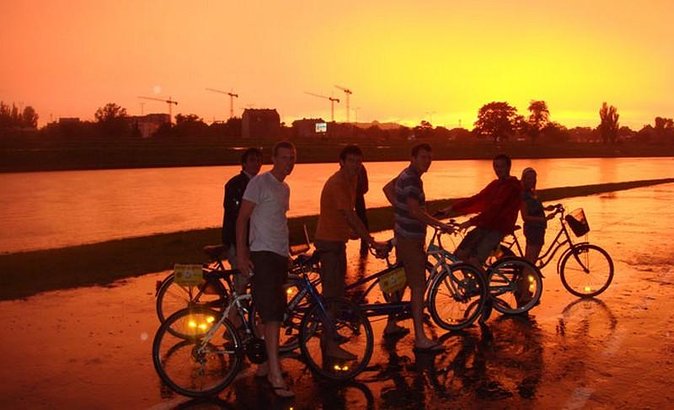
[{"x": 577, "y": 221}]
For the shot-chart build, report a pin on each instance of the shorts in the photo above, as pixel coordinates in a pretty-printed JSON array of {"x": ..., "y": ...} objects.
[
  {"x": 479, "y": 243},
  {"x": 412, "y": 254},
  {"x": 333, "y": 267},
  {"x": 270, "y": 275}
]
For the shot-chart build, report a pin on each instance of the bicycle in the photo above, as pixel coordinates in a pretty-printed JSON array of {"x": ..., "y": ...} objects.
[
  {"x": 197, "y": 351},
  {"x": 455, "y": 291},
  {"x": 502, "y": 277},
  {"x": 207, "y": 287},
  {"x": 586, "y": 270}
]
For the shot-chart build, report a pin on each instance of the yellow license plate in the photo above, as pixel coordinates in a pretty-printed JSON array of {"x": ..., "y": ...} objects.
[
  {"x": 188, "y": 275},
  {"x": 393, "y": 281}
]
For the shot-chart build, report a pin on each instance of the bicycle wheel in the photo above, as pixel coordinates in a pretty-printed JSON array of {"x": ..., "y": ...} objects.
[
  {"x": 587, "y": 270},
  {"x": 457, "y": 295},
  {"x": 290, "y": 327},
  {"x": 172, "y": 297},
  {"x": 336, "y": 339},
  {"x": 515, "y": 285},
  {"x": 201, "y": 364}
]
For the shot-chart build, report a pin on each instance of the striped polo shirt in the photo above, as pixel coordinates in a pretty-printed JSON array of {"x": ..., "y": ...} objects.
[{"x": 408, "y": 185}]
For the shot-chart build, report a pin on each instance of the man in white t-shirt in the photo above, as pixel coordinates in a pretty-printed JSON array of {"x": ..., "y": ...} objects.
[{"x": 265, "y": 203}]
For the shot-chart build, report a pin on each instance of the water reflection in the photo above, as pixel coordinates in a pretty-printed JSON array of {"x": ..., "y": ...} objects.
[
  {"x": 585, "y": 324},
  {"x": 506, "y": 359}
]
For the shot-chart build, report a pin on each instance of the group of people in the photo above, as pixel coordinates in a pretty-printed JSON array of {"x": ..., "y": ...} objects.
[{"x": 256, "y": 230}]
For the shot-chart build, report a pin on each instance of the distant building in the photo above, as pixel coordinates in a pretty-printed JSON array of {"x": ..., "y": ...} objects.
[
  {"x": 309, "y": 127},
  {"x": 149, "y": 124},
  {"x": 68, "y": 120},
  {"x": 260, "y": 123}
]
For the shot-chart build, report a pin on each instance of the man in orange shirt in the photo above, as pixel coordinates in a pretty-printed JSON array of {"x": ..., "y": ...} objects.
[{"x": 337, "y": 223}]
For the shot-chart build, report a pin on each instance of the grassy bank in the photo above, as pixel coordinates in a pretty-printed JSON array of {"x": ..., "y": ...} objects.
[{"x": 27, "y": 273}]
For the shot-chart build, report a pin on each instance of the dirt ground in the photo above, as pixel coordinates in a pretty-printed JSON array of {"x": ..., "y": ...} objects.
[{"x": 90, "y": 347}]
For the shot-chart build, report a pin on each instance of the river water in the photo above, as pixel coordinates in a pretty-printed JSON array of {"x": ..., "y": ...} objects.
[{"x": 40, "y": 210}]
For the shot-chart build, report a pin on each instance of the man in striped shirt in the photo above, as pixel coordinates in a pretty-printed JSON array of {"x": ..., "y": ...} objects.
[{"x": 406, "y": 194}]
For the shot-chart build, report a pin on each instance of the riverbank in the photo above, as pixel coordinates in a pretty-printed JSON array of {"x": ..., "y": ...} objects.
[
  {"x": 188, "y": 153},
  {"x": 27, "y": 273}
]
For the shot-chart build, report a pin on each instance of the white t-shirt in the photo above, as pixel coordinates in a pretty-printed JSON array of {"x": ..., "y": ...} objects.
[{"x": 268, "y": 222}]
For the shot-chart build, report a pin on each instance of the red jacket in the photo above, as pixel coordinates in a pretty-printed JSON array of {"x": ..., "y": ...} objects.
[{"x": 498, "y": 204}]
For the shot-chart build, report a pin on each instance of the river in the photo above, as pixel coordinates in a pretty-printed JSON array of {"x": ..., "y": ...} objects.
[{"x": 40, "y": 210}]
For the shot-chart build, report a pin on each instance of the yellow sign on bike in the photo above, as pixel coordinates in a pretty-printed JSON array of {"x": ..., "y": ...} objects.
[
  {"x": 188, "y": 275},
  {"x": 393, "y": 281}
]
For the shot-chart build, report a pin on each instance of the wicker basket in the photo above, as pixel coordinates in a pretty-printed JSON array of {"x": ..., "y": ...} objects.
[{"x": 577, "y": 222}]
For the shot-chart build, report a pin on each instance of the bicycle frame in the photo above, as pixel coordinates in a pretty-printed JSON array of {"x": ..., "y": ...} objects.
[
  {"x": 436, "y": 251},
  {"x": 561, "y": 239}
]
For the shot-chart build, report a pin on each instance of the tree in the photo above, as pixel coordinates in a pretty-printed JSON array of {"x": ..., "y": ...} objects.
[
  {"x": 664, "y": 129},
  {"x": 497, "y": 120},
  {"x": 110, "y": 112},
  {"x": 539, "y": 118},
  {"x": 30, "y": 117},
  {"x": 111, "y": 120},
  {"x": 423, "y": 130},
  {"x": 555, "y": 133},
  {"x": 189, "y": 125},
  {"x": 608, "y": 128},
  {"x": 12, "y": 118},
  {"x": 189, "y": 118}
]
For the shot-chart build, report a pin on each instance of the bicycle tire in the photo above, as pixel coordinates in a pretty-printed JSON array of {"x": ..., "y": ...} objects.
[
  {"x": 353, "y": 333},
  {"x": 172, "y": 297},
  {"x": 456, "y": 296},
  {"x": 504, "y": 276},
  {"x": 189, "y": 365},
  {"x": 595, "y": 270}
]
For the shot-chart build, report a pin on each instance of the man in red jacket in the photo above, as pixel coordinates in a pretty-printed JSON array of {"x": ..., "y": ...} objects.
[{"x": 496, "y": 206}]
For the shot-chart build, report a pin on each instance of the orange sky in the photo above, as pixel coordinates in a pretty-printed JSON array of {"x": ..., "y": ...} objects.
[{"x": 405, "y": 61}]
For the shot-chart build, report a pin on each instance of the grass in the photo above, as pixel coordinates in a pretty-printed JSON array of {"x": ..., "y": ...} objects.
[{"x": 27, "y": 273}]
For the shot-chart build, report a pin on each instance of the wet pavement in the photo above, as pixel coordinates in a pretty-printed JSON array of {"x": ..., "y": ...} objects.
[{"x": 90, "y": 347}]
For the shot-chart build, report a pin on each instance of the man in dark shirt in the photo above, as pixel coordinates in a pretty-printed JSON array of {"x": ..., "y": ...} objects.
[
  {"x": 497, "y": 206},
  {"x": 251, "y": 162}
]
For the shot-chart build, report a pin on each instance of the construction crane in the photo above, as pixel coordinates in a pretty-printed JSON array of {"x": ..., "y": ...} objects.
[
  {"x": 170, "y": 103},
  {"x": 333, "y": 100},
  {"x": 231, "y": 94},
  {"x": 348, "y": 94}
]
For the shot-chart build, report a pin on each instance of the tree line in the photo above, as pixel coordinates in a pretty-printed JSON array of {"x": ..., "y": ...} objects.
[
  {"x": 497, "y": 121},
  {"x": 15, "y": 118}
]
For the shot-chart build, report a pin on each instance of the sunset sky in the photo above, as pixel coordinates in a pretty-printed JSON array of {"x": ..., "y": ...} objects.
[{"x": 405, "y": 61}]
